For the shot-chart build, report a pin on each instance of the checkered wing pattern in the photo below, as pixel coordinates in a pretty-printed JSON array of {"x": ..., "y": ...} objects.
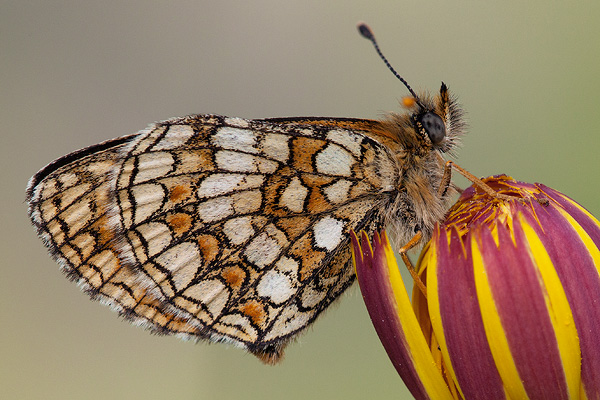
[{"x": 217, "y": 228}]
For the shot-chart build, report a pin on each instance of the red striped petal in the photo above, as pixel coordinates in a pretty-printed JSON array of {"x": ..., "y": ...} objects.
[
  {"x": 520, "y": 304},
  {"x": 463, "y": 329},
  {"x": 394, "y": 319},
  {"x": 374, "y": 281},
  {"x": 578, "y": 274}
]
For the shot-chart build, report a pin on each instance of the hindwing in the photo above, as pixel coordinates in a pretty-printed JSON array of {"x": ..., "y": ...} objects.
[{"x": 217, "y": 228}]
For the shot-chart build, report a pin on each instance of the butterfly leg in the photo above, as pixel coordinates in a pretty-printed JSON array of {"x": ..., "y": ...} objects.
[
  {"x": 402, "y": 251},
  {"x": 446, "y": 180}
]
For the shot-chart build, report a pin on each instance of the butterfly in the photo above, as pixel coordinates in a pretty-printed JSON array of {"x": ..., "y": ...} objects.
[{"x": 236, "y": 230}]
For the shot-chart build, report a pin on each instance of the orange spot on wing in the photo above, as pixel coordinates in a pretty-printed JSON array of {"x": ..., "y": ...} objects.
[
  {"x": 317, "y": 202},
  {"x": 234, "y": 276},
  {"x": 310, "y": 258},
  {"x": 179, "y": 223},
  {"x": 273, "y": 187},
  {"x": 255, "y": 311},
  {"x": 209, "y": 246},
  {"x": 179, "y": 193},
  {"x": 303, "y": 150},
  {"x": 203, "y": 158},
  {"x": 106, "y": 234},
  {"x": 293, "y": 226},
  {"x": 316, "y": 180}
]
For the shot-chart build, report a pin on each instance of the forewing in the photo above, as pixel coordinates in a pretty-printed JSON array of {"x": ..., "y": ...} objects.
[{"x": 218, "y": 228}]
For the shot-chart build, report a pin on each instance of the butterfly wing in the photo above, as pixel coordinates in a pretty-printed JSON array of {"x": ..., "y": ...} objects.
[{"x": 218, "y": 228}]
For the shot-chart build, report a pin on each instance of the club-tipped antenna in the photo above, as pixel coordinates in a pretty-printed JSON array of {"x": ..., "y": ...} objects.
[{"x": 367, "y": 33}]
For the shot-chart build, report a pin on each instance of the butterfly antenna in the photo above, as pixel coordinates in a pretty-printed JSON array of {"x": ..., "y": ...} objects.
[{"x": 367, "y": 33}]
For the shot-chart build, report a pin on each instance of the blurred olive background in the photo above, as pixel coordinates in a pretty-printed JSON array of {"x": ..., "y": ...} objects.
[{"x": 74, "y": 73}]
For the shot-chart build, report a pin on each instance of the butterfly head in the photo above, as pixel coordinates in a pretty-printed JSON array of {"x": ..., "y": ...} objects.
[
  {"x": 437, "y": 121},
  {"x": 434, "y": 123},
  {"x": 430, "y": 123}
]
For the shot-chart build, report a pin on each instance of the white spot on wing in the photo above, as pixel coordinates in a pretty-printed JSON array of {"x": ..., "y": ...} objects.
[
  {"x": 262, "y": 250},
  {"x": 77, "y": 216},
  {"x": 183, "y": 261},
  {"x": 247, "y": 202},
  {"x": 147, "y": 200},
  {"x": 215, "y": 209},
  {"x": 276, "y": 146},
  {"x": 338, "y": 192},
  {"x": 237, "y": 122},
  {"x": 311, "y": 297},
  {"x": 156, "y": 235},
  {"x": 238, "y": 230},
  {"x": 212, "y": 293},
  {"x": 219, "y": 184},
  {"x": 153, "y": 165},
  {"x": 267, "y": 166},
  {"x": 67, "y": 179},
  {"x": 294, "y": 195},
  {"x": 175, "y": 137},
  {"x": 235, "y": 162},
  {"x": 242, "y": 325},
  {"x": 334, "y": 160},
  {"x": 349, "y": 140},
  {"x": 235, "y": 139},
  {"x": 328, "y": 232},
  {"x": 288, "y": 265},
  {"x": 276, "y": 286},
  {"x": 290, "y": 320}
]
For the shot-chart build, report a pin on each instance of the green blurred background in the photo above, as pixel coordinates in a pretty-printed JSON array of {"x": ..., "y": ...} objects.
[{"x": 74, "y": 73}]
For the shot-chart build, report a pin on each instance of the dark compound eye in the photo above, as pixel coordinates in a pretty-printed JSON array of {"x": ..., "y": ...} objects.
[{"x": 434, "y": 126}]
